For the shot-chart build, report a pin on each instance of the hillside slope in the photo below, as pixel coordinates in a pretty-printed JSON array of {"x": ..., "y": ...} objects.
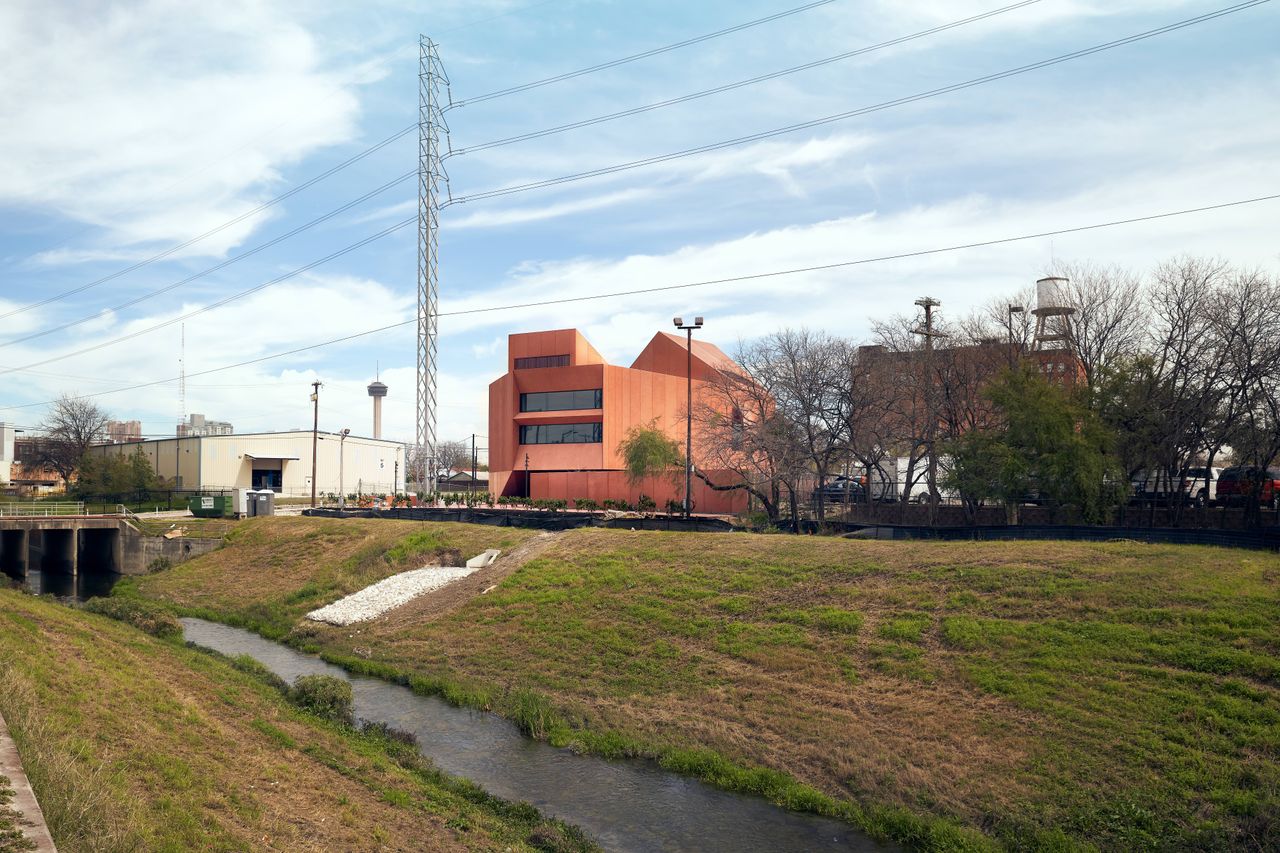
[
  {"x": 134, "y": 743},
  {"x": 1052, "y": 695}
]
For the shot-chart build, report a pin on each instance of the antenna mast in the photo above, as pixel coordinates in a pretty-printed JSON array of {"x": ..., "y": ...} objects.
[
  {"x": 182, "y": 375},
  {"x": 430, "y": 174}
]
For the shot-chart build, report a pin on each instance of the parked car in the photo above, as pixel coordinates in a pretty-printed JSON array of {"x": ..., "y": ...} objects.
[
  {"x": 1200, "y": 485},
  {"x": 839, "y": 489},
  {"x": 1153, "y": 486},
  {"x": 1236, "y": 483}
]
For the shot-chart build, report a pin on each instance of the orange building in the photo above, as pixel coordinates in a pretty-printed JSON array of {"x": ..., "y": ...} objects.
[{"x": 557, "y": 416}]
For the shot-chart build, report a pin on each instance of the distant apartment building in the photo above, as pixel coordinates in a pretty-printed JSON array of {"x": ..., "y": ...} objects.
[
  {"x": 124, "y": 432},
  {"x": 198, "y": 426}
]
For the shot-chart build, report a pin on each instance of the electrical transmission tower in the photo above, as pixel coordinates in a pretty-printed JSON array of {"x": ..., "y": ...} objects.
[{"x": 431, "y": 174}]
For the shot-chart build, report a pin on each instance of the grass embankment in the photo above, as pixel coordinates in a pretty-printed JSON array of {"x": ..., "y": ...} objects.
[
  {"x": 271, "y": 571},
  {"x": 1029, "y": 695},
  {"x": 136, "y": 743}
]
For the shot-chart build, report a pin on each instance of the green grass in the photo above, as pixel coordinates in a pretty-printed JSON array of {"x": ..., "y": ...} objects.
[
  {"x": 1026, "y": 695},
  {"x": 137, "y": 743}
]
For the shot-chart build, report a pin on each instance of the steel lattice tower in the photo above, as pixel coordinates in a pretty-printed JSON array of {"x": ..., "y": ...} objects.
[{"x": 430, "y": 175}]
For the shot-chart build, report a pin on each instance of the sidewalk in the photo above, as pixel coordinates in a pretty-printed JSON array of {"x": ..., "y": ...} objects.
[{"x": 24, "y": 799}]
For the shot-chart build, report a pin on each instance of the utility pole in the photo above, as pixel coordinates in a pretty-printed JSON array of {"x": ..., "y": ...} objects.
[
  {"x": 315, "y": 437},
  {"x": 473, "y": 462},
  {"x": 430, "y": 174},
  {"x": 928, "y": 303}
]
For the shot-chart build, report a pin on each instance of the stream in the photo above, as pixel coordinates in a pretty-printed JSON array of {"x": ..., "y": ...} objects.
[{"x": 625, "y": 805}]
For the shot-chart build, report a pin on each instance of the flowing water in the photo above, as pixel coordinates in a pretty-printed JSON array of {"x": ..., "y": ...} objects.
[{"x": 624, "y": 805}]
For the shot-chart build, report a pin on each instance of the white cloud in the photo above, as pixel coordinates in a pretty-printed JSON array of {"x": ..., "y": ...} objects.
[
  {"x": 519, "y": 215},
  {"x": 158, "y": 120}
]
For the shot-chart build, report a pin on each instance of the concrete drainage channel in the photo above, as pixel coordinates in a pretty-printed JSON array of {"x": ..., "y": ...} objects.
[{"x": 30, "y": 818}]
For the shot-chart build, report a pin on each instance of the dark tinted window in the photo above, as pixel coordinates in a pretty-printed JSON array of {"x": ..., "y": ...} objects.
[
  {"x": 542, "y": 361},
  {"x": 559, "y": 401},
  {"x": 561, "y": 434}
]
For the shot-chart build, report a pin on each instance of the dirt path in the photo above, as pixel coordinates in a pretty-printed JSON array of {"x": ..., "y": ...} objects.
[{"x": 433, "y": 605}]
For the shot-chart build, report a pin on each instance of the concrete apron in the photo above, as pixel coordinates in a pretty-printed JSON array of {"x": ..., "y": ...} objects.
[{"x": 24, "y": 799}]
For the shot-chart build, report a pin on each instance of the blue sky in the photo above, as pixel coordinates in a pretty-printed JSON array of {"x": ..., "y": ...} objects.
[{"x": 132, "y": 127}]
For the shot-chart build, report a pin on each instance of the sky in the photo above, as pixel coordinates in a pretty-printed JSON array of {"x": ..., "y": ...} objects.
[{"x": 155, "y": 132}]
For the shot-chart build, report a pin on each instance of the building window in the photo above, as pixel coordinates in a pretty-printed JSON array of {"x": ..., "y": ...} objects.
[
  {"x": 542, "y": 361},
  {"x": 561, "y": 434},
  {"x": 560, "y": 401}
]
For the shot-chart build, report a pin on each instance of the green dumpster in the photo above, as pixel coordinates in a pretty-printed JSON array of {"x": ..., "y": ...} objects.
[{"x": 209, "y": 506}]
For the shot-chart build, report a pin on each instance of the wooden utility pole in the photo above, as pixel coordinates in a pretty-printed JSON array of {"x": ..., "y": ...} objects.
[
  {"x": 315, "y": 437},
  {"x": 928, "y": 303}
]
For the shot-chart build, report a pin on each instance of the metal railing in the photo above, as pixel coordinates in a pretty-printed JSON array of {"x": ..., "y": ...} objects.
[{"x": 41, "y": 509}]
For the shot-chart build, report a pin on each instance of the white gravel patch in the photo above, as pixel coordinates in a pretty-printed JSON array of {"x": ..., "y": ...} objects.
[{"x": 388, "y": 594}]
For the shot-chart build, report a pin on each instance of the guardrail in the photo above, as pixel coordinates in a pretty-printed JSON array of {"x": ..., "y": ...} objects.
[{"x": 40, "y": 509}]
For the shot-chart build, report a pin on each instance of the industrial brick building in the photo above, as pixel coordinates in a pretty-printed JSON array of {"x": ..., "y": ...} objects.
[{"x": 558, "y": 414}]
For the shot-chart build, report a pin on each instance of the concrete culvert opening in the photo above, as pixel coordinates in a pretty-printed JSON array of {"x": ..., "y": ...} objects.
[
  {"x": 100, "y": 551},
  {"x": 13, "y": 552}
]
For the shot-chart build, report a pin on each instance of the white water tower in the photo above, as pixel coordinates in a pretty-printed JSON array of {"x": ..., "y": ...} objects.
[{"x": 1053, "y": 313}]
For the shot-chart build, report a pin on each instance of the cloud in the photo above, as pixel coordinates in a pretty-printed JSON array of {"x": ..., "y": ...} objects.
[
  {"x": 157, "y": 120},
  {"x": 520, "y": 215}
]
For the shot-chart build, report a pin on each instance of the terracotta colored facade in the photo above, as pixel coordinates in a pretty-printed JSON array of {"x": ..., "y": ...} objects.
[{"x": 651, "y": 391}]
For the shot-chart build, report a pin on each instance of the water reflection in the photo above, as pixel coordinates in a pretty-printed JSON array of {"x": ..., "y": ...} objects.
[
  {"x": 60, "y": 582},
  {"x": 625, "y": 805}
]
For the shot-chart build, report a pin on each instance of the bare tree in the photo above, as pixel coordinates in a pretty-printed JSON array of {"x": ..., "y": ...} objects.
[
  {"x": 741, "y": 432},
  {"x": 1106, "y": 325},
  {"x": 453, "y": 455},
  {"x": 72, "y": 425}
]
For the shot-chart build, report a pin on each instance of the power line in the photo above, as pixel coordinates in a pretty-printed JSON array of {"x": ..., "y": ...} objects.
[
  {"x": 728, "y": 87},
  {"x": 546, "y": 81},
  {"x": 344, "y": 251},
  {"x": 755, "y": 137},
  {"x": 688, "y": 285},
  {"x": 199, "y": 275},
  {"x": 265, "y": 205}
]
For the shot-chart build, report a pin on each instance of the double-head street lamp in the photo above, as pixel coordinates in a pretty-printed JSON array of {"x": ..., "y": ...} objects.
[{"x": 688, "y": 434}]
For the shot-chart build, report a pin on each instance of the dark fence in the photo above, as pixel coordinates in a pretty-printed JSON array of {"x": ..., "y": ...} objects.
[
  {"x": 536, "y": 519},
  {"x": 1268, "y": 539},
  {"x": 1128, "y": 517},
  {"x": 142, "y": 501}
]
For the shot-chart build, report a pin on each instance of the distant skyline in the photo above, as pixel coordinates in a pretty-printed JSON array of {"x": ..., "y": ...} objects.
[{"x": 131, "y": 128}]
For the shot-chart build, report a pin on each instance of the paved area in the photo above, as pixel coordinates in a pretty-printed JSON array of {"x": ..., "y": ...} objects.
[{"x": 24, "y": 799}]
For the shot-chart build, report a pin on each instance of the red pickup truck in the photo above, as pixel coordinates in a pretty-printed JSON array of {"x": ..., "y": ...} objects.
[{"x": 1235, "y": 484}]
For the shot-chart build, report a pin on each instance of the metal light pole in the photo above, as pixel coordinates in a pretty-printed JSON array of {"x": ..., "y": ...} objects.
[
  {"x": 688, "y": 433},
  {"x": 1013, "y": 309},
  {"x": 342, "y": 461},
  {"x": 315, "y": 437}
]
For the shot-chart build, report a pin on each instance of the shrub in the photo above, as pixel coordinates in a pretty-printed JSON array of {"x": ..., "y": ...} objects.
[
  {"x": 585, "y": 504},
  {"x": 259, "y": 670},
  {"x": 644, "y": 503},
  {"x": 675, "y": 506},
  {"x": 621, "y": 506},
  {"x": 140, "y": 614},
  {"x": 325, "y": 696}
]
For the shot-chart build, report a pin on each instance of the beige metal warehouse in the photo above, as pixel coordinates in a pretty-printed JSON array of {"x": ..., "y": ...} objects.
[{"x": 280, "y": 461}]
